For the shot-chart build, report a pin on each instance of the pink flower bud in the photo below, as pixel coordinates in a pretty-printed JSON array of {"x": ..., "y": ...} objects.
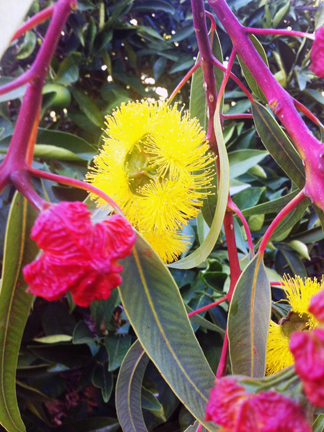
[
  {"x": 317, "y": 53},
  {"x": 308, "y": 350},
  {"x": 78, "y": 256}
]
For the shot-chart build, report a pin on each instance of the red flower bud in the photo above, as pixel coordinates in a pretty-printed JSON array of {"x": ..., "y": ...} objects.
[
  {"x": 236, "y": 410},
  {"x": 317, "y": 53},
  {"x": 78, "y": 256},
  {"x": 308, "y": 350}
]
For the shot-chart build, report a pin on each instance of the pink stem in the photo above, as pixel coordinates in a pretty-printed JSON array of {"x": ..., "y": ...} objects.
[
  {"x": 281, "y": 32},
  {"x": 18, "y": 82},
  {"x": 184, "y": 80},
  {"x": 222, "y": 365},
  {"x": 199, "y": 427},
  {"x": 237, "y": 116},
  {"x": 276, "y": 283},
  {"x": 212, "y": 20},
  {"x": 307, "y": 113},
  {"x": 22, "y": 182},
  {"x": 284, "y": 212},
  {"x": 204, "y": 308},
  {"x": 219, "y": 65},
  {"x": 226, "y": 77},
  {"x": 238, "y": 212},
  {"x": 76, "y": 183},
  {"x": 34, "y": 21}
]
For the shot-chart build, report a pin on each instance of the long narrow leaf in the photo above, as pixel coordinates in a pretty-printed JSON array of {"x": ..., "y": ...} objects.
[
  {"x": 128, "y": 389},
  {"x": 148, "y": 290},
  {"x": 15, "y": 305},
  {"x": 248, "y": 321}
]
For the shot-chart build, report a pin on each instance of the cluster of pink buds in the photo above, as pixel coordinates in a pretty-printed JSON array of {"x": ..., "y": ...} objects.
[{"x": 78, "y": 256}]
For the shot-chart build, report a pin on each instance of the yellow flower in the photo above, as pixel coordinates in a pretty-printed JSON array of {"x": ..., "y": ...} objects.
[
  {"x": 299, "y": 293},
  {"x": 154, "y": 164}
]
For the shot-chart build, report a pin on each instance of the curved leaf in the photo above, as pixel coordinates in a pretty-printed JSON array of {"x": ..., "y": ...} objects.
[
  {"x": 270, "y": 207},
  {"x": 278, "y": 144},
  {"x": 248, "y": 320},
  {"x": 148, "y": 290},
  {"x": 15, "y": 305},
  {"x": 240, "y": 161},
  {"x": 201, "y": 254},
  {"x": 128, "y": 389}
]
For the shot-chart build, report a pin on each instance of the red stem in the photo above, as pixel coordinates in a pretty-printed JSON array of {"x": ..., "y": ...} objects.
[
  {"x": 307, "y": 113},
  {"x": 284, "y": 212},
  {"x": 219, "y": 65},
  {"x": 15, "y": 159},
  {"x": 238, "y": 212},
  {"x": 276, "y": 283},
  {"x": 281, "y": 32},
  {"x": 76, "y": 183},
  {"x": 222, "y": 365},
  {"x": 226, "y": 77},
  {"x": 18, "y": 82},
  {"x": 206, "y": 55},
  {"x": 237, "y": 116},
  {"x": 212, "y": 20},
  {"x": 184, "y": 80},
  {"x": 199, "y": 428},
  {"x": 34, "y": 21},
  {"x": 207, "y": 307}
]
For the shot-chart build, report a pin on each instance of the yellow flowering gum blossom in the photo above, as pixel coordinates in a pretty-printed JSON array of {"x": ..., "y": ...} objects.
[
  {"x": 299, "y": 293},
  {"x": 154, "y": 164}
]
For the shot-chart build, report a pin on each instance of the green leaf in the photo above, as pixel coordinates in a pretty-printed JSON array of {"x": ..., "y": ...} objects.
[
  {"x": 248, "y": 197},
  {"x": 82, "y": 334},
  {"x": 67, "y": 141},
  {"x": 56, "y": 96},
  {"x": 270, "y": 207},
  {"x": 318, "y": 425},
  {"x": 183, "y": 33},
  {"x": 194, "y": 428},
  {"x": 148, "y": 6},
  {"x": 159, "y": 67},
  {"x": 202, "y": 322},
  {"x": 248, "y": 320},
  {"x": 54, "y": 339},
  {"x": 89, "y": 108},
  {"x": 102, "y": 310},
  {"x": 300, "y": 247},
  {"x": 204, "y": 250},
  {"x": 94, "y": 424},
  {"x": 287, "y": 224},
  {"x": 152, "y": 404},
  {"x": 240, "y": 161},
  {"x": 247, "y": 74},
  {"x": 15, "y": 305},
  {"x": 149, "y": 291},
  {"x": 13, "y": 94},
  {"x": 183, "y": 63},
  {"x": 295, "y": 263},
  {"x": 117, "y": 347},
  {"x": 68, "y": 71},
  {"x": 12, "y": 14},
  {"x": 278, "y": 144},
  {"x": 279, "y": 16},
  {"x": 128, "y": 389},
  {"x": 27, "y": 47},
  {"x": 104, "y": 380}
]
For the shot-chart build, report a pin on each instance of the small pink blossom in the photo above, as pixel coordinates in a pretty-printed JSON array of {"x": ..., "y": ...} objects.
[
  {"x": 308, "y": 351},
  {"x": 236, "y": 410},
  {"x": 317, "y": 53},
  {"x": 78, "y": 256}
]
